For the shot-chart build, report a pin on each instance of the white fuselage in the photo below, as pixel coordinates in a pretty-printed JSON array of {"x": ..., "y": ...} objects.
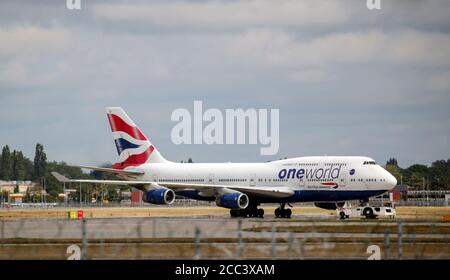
[{"x": 318, "y": 178}]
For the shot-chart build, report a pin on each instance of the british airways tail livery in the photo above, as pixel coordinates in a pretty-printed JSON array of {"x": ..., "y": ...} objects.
[
  {"x": 133, "y": 146},
  {"x": 240, "y": 187}
]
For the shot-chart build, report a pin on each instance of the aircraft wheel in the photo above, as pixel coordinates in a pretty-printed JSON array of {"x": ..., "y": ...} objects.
[
  {"x": 342, "y": 214},
  {"x": 242, "y": 213},
  {"x": 261, "y": 213},
  {"x": 277, "y": 212},
  {"x": 234, "y": 213},
  {"x": 288, "y": 213}
]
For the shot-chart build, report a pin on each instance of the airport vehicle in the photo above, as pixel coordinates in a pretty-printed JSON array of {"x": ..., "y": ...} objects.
[
  {"x": 240, "y": 187},
  {"x": 369, "y": 212}
]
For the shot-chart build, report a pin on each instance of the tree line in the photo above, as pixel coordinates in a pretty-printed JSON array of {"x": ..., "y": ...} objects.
[
  {"x": 420, "y": 176},
  {"x": 14, "y": 166}
]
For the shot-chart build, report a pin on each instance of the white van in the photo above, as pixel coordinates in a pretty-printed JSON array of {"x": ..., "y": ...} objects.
[{"x": 370, "y": 212}]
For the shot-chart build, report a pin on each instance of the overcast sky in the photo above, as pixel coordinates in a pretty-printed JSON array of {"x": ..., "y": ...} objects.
[{"x": 347, "y": 80}]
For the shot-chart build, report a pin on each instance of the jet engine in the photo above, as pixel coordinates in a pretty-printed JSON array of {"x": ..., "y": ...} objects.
[
  {"x": 159, "y": 195},
  {"x": 235, "y": 200}
]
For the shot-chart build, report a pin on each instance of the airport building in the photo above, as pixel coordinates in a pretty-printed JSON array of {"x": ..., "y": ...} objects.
[
  {"x": 15, "y": 190},
  {"x": 16, "y": 186}
]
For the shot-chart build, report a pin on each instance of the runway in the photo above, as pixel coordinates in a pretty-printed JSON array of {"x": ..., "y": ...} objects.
[
  {"x": 223, "y": 237},
  {"x": 299, "y": 212},
  {"x": 213, "y": 227}
]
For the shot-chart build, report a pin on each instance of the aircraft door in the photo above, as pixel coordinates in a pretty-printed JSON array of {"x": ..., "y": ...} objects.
[
  {"x": 301, "y": 182},
  {"x": 211, "y": 178},
  {"x": 252, "y": 179},
  {"x": 342, "y": 178}
]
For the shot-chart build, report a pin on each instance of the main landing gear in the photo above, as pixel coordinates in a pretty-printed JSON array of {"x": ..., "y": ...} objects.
[
  {"x": 281, "y": 212},
  {"x": 252, "y": 211}
]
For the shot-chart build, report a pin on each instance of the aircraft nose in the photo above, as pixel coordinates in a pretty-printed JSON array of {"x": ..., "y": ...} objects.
[{"x": 391, "y": 181}]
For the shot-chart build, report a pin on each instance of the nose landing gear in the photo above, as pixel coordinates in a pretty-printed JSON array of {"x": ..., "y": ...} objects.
[{"x": 281, "y": 212}]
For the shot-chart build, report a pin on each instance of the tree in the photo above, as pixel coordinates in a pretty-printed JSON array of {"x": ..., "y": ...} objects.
[
  {"x": 40, "y": 162},
  {"x": 100, "y": 175},
  {"x": 18, "y": 169},
  {"x": 447, "y": 176},
  {"x": 190, "y": 160},
  {"x": 394, "y": 170},
  {"x": 416, "y": 181},
  {"x": 392, "y": 161},
  {"x": 419, "y": 168},
  {"x": 29, "y": 169},
  {"x": 437, "y": 173},
  {"x": 6, "y": 164}
]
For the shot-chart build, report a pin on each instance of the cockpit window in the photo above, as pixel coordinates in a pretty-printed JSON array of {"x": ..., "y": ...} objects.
[{"x": 369, "y": 162}]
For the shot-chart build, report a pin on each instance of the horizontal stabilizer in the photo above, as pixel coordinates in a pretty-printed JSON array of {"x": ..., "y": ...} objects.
[
  {"x": 59, "y": 177},
  {"x": 112, "y": 170},
  {"x": 62, "y": 178}
]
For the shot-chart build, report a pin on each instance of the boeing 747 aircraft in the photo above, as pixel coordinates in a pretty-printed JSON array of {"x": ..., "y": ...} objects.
[{"x": 241, "y": 187}]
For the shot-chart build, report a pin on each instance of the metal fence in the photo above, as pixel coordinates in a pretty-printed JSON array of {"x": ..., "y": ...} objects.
[{"x": 223, "y": 238}]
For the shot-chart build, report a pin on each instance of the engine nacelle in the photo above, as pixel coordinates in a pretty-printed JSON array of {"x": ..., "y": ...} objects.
[
  {"x": 330, "y": 205},
  {"x": 159, "y": 196},
  {"x": 234, "y": 200}
]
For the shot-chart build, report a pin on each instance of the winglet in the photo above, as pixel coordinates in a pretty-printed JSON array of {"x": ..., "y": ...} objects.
[{"x": 60, "y": 177}]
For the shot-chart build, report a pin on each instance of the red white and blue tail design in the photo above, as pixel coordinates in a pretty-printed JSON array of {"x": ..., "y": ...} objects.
[{"x": 133, "y": 147}]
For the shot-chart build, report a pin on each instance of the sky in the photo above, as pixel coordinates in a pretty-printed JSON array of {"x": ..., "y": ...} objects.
[{"x": 346, "y": 80}]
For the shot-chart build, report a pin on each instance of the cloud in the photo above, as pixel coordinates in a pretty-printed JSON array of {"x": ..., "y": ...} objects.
[
  {"x": 413, "y": 13},
  {"x": 27, "y": 39},
  {"x": 275, "y": 47},
  {"x": 440, "y": 82},
  {"x": 225, "y": 14},
  {"x": 308, "y": 75},
  {"x": 334, "y": 69},
  {"x": 25, "y": 50}
]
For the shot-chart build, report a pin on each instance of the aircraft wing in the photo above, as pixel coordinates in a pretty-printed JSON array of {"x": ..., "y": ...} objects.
[{"x": 210, "y": 189}]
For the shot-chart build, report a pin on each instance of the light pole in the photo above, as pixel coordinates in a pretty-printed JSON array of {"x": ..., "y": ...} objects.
[
  {"x": 64, "y": 193},
  {"x": 42, "y": 192},
  {"x": 423, "y": 190},
  {"x": 45, "y": 192}
]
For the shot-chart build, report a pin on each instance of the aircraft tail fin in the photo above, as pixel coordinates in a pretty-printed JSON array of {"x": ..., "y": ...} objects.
[{"x": 133, "y": 147}]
